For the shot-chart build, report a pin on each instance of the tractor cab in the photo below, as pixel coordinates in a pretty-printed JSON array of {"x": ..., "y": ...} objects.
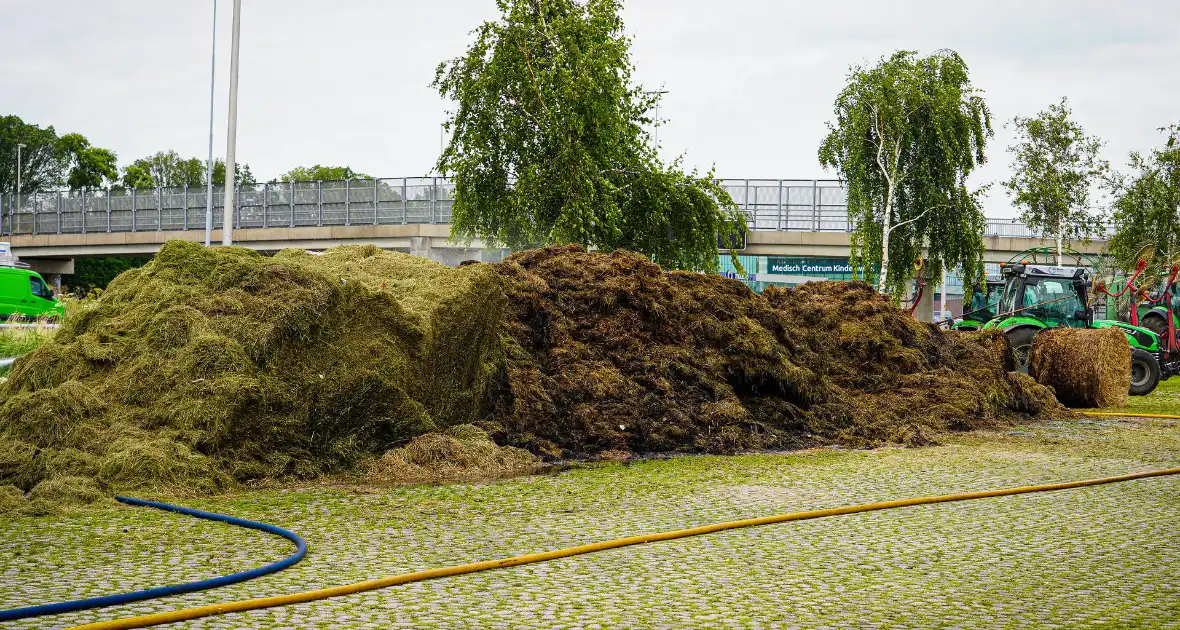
[
  {"x": 1052, "y": 296},
  {"x": 983, "y": 305}
]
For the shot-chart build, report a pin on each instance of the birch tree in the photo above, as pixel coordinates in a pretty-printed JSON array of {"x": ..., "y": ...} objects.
[
  {"x": 1055, "y": 167},
  {"x": 908, "y": 132},
  {"x": 549, "y": 144},
  {"x": 1147, "y": 208}
]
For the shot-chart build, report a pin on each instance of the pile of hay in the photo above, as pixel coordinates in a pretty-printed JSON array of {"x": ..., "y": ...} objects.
[
  {"x": 208, "y": 367},
  {"x": 609, "y": 353},
  {"x": 460, "y": 453},
  {"x": 1085, "y": 367}
]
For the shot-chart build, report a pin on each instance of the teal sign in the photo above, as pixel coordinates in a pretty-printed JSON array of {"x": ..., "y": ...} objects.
[{"x": 807, "y": 266}]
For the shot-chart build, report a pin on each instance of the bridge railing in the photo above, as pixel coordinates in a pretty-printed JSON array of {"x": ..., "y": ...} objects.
[{"x": 769, "y": 204}]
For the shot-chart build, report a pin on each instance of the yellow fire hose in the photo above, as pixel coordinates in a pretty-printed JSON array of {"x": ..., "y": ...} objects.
[
  {"x": 1130, "y": 415},
  {"x": 487, "y": 565}
]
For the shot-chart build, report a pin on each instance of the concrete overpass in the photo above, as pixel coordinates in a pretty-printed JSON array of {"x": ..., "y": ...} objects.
[
  {"x": 55, "y": 253},
  {"x": 49, "y": 230}
]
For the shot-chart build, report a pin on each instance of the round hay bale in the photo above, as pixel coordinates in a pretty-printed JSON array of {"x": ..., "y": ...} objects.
[{"x": 1085, "y": 367}]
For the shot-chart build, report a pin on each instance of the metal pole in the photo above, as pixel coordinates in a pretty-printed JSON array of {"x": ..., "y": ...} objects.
[
  {"x": 209, "y": 164},
  {"x": 19, "y": 146},
  {"x": 232, "y": 132},
  {"x": 656, "y": 125}
]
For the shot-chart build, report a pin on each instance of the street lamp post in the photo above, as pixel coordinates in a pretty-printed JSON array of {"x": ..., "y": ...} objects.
[
  {"x": 656, "y": 126},
  {"x": 209, "y": 165},
  {"x": 19, "y": 146},
  {"x": 230, "y": 163}
]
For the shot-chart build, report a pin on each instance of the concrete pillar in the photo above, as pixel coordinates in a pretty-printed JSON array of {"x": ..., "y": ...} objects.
[
  {"x": 48, "y": 266},
  {"x": 420, "y": 246}
]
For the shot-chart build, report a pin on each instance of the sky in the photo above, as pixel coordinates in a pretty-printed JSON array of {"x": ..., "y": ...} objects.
[{"x": 750, "y": 83}]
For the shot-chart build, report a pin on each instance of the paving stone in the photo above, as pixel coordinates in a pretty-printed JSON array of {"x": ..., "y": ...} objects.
[{"x": 1102, "y": 556}]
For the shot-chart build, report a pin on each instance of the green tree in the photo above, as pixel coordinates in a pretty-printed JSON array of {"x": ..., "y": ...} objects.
[
  {"x": 1055, "y": 167},
  {"x": 137, "y": 176},
  {"x": 41, "y": 162},
  {"x": 97, "y": 273},
  {"x": 908, "y": 132},
  {"x": 548, "y": 143},
  {"x": 89, "y": 166},
  {"x": 165, "y": 168},
  {"x": 1146, "y": 208},
  {"x": 242, "y": 174},
  {"x": 321, "y": 173}
]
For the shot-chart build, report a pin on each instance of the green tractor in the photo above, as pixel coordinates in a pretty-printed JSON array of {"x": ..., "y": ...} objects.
[
  {"x": 1037, "y": 297},
  {"x": 984, "y": 302}
]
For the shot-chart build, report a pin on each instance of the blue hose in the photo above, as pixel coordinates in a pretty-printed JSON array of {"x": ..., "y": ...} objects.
[{"x": 164, "y": 591}]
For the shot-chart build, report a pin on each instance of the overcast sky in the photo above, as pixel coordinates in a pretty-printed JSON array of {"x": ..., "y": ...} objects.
[{"x": 751, "y": 82}]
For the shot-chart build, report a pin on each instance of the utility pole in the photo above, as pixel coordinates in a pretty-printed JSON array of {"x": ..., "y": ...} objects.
[
  {"x": 227, "y": 225},
  {"x": 209, "y": 165}
]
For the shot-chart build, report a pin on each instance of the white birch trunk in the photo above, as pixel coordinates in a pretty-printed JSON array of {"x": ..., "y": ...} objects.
[{"x": 886, "y": 227}]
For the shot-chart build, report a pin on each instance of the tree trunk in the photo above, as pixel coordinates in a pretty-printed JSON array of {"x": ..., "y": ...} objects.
[{"x": 886, "y": 227}]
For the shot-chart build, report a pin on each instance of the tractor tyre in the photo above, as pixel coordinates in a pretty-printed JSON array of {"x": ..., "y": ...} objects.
[
  {"x": 1021, "y": 341},
  {"x": 1145, "y": 372},
  {"x": 1155, "y": 324}
]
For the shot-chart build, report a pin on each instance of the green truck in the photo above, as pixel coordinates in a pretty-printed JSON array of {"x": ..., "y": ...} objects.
[
  {"x": 25, "y": 294},
  {"x": 1037, "y": 297}
]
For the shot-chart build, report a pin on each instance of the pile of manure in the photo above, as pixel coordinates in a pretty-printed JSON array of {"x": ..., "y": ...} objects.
[{"x": 608, "y": 353}]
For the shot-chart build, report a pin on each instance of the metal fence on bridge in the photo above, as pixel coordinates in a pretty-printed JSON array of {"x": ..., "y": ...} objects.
[{"x": 769, "y": 204}]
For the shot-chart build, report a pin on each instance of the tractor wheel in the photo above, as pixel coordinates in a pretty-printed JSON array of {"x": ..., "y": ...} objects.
[
  {"x": 1145, "y": 372},
  {"x": 1155, "y": 324},
  {"x": 1021, "y": 341}
]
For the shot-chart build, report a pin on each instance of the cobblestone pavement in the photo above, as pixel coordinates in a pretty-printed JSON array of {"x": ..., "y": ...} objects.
[{"x": 1105, "y": 556}]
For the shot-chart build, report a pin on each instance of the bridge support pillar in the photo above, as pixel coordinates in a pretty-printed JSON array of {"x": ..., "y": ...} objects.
[
  {"x": 49, "y": 266},
  {"x": 420, "y": 246}
]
